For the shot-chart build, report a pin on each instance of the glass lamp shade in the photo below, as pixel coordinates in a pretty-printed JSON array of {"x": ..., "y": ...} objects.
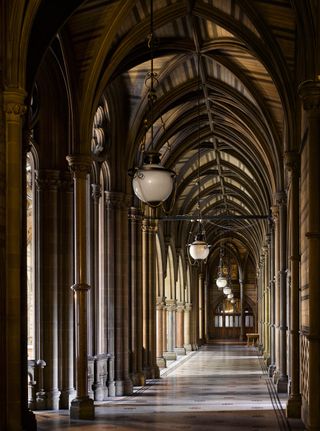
[
  {"x": 152, "y": 183},
  {"x": 221, "y": 282},
  {"x": 199, "y": 250},
  {"x": 227, "y": 290},
  {"x": 230, "y": 296},
  {"x": 233, "y": 301}
]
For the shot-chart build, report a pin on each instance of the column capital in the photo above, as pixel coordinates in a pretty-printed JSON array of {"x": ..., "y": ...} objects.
[
  {"x": 117, "y": 199},
  {"x": 309, "y": 91},
  {"x": 80, "y": 165},
  {"x": 149, "y": 225},
  {"x": 280, "y": 198},
  {"x": 134, "y": 214},
  {"x": 275, "y": 212},
  {"x": 96, "y": 192},
  {"x": 188, "y": 306},
  {"x": 14, "y": 102},
  {"x": 48, "y": 179}
]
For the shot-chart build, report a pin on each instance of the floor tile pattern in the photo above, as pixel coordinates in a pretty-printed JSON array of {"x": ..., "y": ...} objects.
[{"x": 220, "y": 388}]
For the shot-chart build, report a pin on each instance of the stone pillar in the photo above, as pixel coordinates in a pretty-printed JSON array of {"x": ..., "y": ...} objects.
[
  {"x": 272, "y": 300},
  {"x": 187, "y": 327},
  {"x": 13, "y": 284},
  {"x": 200, "y": 307},
  {"x": 179, "y": 349},
  {"x": 242, "y": 328},
  {"x": 117, "y": 203},
  {"x": 65, "y": 296},
  {"x": 82, "y": 406},
  {"x": 282, "y": 384},
  {"x": 275, "y": 216},
  {"x": 161, "y": 362},
  {"x": 137, "y": 375},
  {"x": 310, "y": 93},
  {"x": 48, "y": 184},
  {"x": 149, "y": 229},
  {"x": 267, "y": 303},
  {"x": 294, "y": 403},
  {"x": 206, "y": 311},
  {"x": 170, "y": 354}
]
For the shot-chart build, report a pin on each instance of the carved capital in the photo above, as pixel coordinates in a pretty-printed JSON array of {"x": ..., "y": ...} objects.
[
  {"x": 275, "y": 212},
  {"x": 48, "y": 179},
  {"x": 292, "y": 161},
  {"x": 280, "y": 198},
  {"x": 134, "y": 214},
  {"x": 80, "y": 287},
  {"x": 80, "y": 165},
  {"x": 309, "y": 91},
  {"x": 96, "y": 192},
  {"x": 14, "y": 102},
  {"x": 116, "y": 200},
  {"x": 149, "y": 225}
]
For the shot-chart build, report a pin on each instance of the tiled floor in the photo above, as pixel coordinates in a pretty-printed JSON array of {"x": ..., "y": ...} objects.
[{"x": 220, "y": 387}]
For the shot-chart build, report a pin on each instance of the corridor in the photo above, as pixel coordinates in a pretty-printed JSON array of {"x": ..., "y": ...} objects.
[{"x": 219, "y": 387}]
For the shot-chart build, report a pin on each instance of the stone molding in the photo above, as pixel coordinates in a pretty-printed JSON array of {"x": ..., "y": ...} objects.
[
  {"x": 309, "y": 91},
  {"x": 117, "y": 200},
  {"x": 48, "y": 179},
  {"x": 96, "y": 192},
  {"x": 80, "y": 165}
]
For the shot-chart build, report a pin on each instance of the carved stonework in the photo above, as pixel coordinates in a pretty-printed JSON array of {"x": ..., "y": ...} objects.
[
  {"x": 48, "y": 180},
  {"x": 280, "y": 198},
  {"x": 80, "y": 165},
  {"x": 116, "y": 200},
  {"x": 96, "y": 192},
  {"x": 16, "y": 109},
  {"x": 134, "y": 215},
  {"x": 149, "y": 225},
  {"x": 309, "y": 91}
]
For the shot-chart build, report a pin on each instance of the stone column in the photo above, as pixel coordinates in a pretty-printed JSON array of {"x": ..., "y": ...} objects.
[
  {"x": 187, "y": 327},
  {"x": 179, "y": 349},
  {"x": 310, "y": 93},
  {"x": 294, "y": 403},
  {"x": 117, "y": 203},
  {"x": 275, "y": 216},
  {"x": 200, "y": 307},
  {"x": 170, "y": 354},
  {"x": 82, "y": 406},
  {"x": 149, "y": 229},
  {"x": 206, "y": 311},
  {"x": 242, "y": 328},
  {"x": 161, "y": 362},
  {"x": 272, "y": 300},
  {"x": 65, "y": 296},
  {"x": 13, "y": 284},
  {"x": 282, "y": 384},
  {"x": 137, "y": 375},
  {"x": 48, "y": 184},
  {"x": 266, "y": 303}
]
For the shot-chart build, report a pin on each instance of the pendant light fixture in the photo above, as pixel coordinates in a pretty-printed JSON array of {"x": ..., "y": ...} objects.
[
  {"x": 152, "y": 183},
  {"x": 221, "y": 281},
  {"x": 199, "y": 248}
]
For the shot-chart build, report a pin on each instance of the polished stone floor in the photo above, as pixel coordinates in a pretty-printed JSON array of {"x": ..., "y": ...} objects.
[{"x": 219, "y": 387}]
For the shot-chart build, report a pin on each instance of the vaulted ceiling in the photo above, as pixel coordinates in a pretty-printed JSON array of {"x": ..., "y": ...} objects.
[{"x": 225, "y": 73}]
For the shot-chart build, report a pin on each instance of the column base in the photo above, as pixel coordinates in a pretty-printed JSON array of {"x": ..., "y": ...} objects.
[
  {"x": 138, "y": 379},
  {"x": 282, "y": 385},
  {"x": 161, "y": 362},
  {"x": 123, "y": 387},
  {"x": 111, "y": 389},
  {"x": 170, "y": 356},
  {"x": 294, "y": 407},
  {"x": 188, "y": 347},
  {"x": 181, "y": 351},
  {"x": 155, "y": 372},
  {"x": 29, "y": 421},
  {"x": 82, "y": 408},
  {"x": 66, "y": 397},
  {"x": 271, "y": 370}
]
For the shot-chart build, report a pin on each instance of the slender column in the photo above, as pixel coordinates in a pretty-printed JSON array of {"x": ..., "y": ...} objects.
[
  {"x": 241, "y": 311},
  {"x": 48, "y": 185},
  {"x": 14, "y": 398},
  {"x": 164, "y": 330},
  {"x": 282, "y": 384},
  {"x": 98, "y": 390},
  {"x": 82, "y": 406},
  {"x": 310, "y": 93},
  {"x": 137, "y": 375},
  {"x": 272, "y": 300},
  {"x": 66, "y": 315},
  {"x": 267, "y": 301},
  {"x": 205, "y": 311},
  {"x": 117, "y": 202},
  {"x": 170, "y": 354},
  {"x": 179, "y": 349},
  {"x": 200, "y": 307},
  {"x": 294, "y": 402},
  {"x": 275, "y": 215},
  {"x": 187, "y": 327},
  {"x": 149, "y": 228},
  {"x": 161, "y": 362}
]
